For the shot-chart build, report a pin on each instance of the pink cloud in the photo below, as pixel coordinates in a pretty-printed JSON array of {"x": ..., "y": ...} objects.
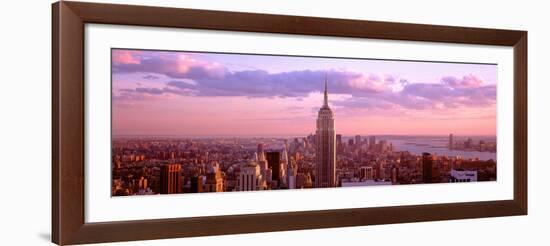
[
  {"x": 467, "y": 81},
  {"x": 173, "y": 65},
  {"x": 162, "y": 84},
  {"x": 369, "y": 82},
  {"x": 125, "y": 57}
]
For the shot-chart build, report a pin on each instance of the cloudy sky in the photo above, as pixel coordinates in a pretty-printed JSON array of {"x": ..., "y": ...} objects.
[{"x": 184, "y": 93}]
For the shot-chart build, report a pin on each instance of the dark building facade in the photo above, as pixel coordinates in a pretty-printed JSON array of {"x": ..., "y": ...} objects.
[
  {"x": 196, "y": 184},
  {"x": 427, "y": 165},
  {"x": 170, "y": 179},
  {"x": 274, "y": 162},
  {"x": 395, "y": 175}
]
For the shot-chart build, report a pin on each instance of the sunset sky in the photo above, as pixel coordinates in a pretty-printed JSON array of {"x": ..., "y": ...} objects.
[{"x": 208, "y": 94}]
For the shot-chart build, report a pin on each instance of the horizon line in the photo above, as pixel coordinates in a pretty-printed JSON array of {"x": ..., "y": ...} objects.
[{"x": 297, "y": 135}]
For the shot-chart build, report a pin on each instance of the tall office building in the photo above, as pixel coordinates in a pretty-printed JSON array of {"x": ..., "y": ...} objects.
[
  {"x": 451, "y": 141},
  {"x": 274, "y": 163},
  {"x": 380, "y": 170},
  {"x": 214, "y": 180},
  {"x": 325, "y": 154},
  {"x": 469, "y": 143},
  {"x": 260, "y": 148},
  {"x": 427, "y": 165},
  {"x": 372, "y": 142},
  {"x": 285, "y": 161},
  {"x": 366, "y": 173},
  {"x": 382, "y": 146},
  {"x": 260, "y": 152},
  {"x": 262, "y": 162},
  {"x": 394, "y": 175},
  {"x": 170, "y": 179},
  {"x": 250, "y": 177},
  {"x": 339, "y": 144},
  {"x": 196, "y": 184},
  {"x": 291, "y": 172},
  {"x": 358, "y": 141}
]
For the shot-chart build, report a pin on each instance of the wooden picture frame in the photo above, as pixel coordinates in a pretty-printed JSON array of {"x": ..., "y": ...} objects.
[{"x": 68, "y": 122}]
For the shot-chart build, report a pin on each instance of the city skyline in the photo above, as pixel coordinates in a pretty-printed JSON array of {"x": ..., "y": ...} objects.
[
  {"x": 172, "y": 93},
  {"x": 323, "y": 159}
]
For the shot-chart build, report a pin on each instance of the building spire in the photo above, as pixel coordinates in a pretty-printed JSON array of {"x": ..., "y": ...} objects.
[{"x": 325, "y": 103}]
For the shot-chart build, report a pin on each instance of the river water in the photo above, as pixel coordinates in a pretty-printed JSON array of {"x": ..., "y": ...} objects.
[{"x": 437, "y": 145}]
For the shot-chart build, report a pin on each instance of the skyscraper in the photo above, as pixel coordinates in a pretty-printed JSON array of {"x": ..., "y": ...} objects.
[
  {"x": 339, "y": 144},
  {"x": 170, "y": 179},
  {"x": 394, "y": 175},
  {"x": 260, "y": 152},
  {"x": 214, "y": 180},
  {"x": 291, "y": 174},
  {"x": 383, "y": 145},
  {"x": 196, "y": 184},
  {"x": 372, "y": 142},
  {"x": 325, "y": 154},
  {"x": 285, "y": 162},
  {"x": 250, "y": 177},
  {"x": 451, "y": 142},
  {"x": 262, "y": 162},
  {"x": 427, "y": 163},
  {"x": 274, "y": 162},
  {"x": 366, "y": 173},
  {"x": 358, "y": 141}
]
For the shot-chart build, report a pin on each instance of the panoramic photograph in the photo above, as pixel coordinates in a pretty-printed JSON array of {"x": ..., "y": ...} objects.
[{"x": 200, "y": 122}]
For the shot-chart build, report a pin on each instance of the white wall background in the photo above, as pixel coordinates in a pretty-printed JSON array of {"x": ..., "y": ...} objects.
[{"x": 25, "y": 144}]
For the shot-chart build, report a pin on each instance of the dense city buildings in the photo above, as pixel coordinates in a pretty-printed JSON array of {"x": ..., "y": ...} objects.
[
  {"x": 146, "y": 165},
  {"x": 206, "y": 122}
]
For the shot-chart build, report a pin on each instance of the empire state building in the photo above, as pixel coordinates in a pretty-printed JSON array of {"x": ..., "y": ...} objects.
[{"x": 325, "y": 155}]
